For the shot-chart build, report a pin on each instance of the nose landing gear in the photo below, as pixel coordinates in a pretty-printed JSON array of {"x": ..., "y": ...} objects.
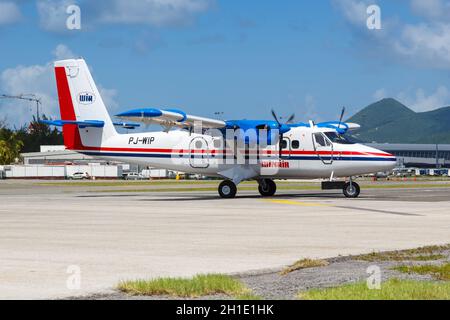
[{"x": 351, "y": 189}]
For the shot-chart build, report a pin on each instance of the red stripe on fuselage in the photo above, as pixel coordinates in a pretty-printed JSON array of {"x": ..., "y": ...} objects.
[{"x": 182, "y": 151}]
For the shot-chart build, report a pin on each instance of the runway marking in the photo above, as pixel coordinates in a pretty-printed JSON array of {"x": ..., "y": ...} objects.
[
  {"x": 309, "y": 204},
  {"x": 298, "y": 203},
  {"x": 381, "y": 211}
]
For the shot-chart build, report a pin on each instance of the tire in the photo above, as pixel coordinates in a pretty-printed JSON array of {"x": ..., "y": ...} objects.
[
  {"x": 351, "y": 190},
  {"x": 270, "y": 188},
  {"x": 227, "y": 189}
]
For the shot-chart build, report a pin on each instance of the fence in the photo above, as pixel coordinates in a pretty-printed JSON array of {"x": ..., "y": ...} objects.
[{"x": 60, "y": 172}]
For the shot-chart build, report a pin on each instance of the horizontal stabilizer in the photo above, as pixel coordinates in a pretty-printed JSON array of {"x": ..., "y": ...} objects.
[{"x": 80, "y": 124}]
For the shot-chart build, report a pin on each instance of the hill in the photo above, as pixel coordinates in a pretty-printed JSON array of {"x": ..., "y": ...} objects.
[{"x": 389, "y": 121}]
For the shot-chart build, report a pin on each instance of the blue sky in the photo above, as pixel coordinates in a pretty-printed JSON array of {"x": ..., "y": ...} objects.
[{"x": 238, "y": 57}]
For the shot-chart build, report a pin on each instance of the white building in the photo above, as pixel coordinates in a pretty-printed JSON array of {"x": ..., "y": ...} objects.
[{"x": 57, "y": 162}]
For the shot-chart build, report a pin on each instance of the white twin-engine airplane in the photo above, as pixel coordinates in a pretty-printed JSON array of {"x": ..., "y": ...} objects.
[{"x": 232, "y": 150}]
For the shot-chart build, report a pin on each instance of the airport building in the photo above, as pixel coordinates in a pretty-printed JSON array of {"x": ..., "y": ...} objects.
[
  {"x": 55, "y": 162},
  {"x": 418, "y": 155},
  {"x": 56, "y": 155}
]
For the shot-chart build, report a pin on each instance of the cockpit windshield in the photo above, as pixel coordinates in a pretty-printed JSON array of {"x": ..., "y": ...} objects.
[{"x": 338, "y": 138}]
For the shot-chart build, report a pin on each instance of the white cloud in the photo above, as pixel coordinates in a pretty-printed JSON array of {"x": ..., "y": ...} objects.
[
  {"x": 109, "y": 98},
  {"x": 420, "y": 101},
  {"x": 35, "y": 79},
  {"x": 380, "y": 94},
  {"x": 152, "y": 12},
  {"x": 52, "y": 14},
  {"x": 431, "y": 9},
  {"x": 426, "y": 42},
  {"x": 159, "y": 13},
  {"x": 9, "y": 12},
  {"x": 355, "y": 11},
  {"x": 62, "y": 52},
  {"x": 38, "y": 80}
]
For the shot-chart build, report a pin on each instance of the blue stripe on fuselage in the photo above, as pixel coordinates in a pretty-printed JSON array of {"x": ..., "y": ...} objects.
[{"x": 159, "y": 155}]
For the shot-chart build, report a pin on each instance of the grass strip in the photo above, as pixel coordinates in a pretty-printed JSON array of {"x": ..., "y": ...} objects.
[
  {"x": 391, "y": 290},
  {"x": 198, "y": 286},
  {"x": 428, "y": 253},
  {"x": 439, "y": 272}
]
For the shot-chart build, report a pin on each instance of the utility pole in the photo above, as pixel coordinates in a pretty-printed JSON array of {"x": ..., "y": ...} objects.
[
  {"x": 437, "y": 156},
  {"x": 26, "y": 97}
]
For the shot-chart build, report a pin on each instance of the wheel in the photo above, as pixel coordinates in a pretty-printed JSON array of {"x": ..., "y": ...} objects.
[
  {"x": 351, "y": 190},
  {"x": 267, "y": 188},
  {"x": 227, "y": 189}
]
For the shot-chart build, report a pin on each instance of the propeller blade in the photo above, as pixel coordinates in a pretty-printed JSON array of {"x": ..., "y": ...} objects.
[
  {"x": 291, "y": 118},
  {"x": 342, "y": 117},
  {"x": 274, "y": 115}
]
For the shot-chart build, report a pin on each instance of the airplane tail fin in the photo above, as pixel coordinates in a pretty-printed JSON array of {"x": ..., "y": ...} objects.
[{"x": 81, "y": 105}]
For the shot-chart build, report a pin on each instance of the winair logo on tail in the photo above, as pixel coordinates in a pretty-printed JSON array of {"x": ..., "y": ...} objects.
[{"x": 86, "y": 98}]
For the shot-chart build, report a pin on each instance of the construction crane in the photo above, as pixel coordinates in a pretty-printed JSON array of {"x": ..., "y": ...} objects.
[{"x": 26, "y": 97}]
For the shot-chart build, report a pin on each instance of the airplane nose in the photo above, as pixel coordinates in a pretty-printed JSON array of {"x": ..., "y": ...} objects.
[
  {"x": 382, "y": 161},
  {"x": 388, "y": 162}
]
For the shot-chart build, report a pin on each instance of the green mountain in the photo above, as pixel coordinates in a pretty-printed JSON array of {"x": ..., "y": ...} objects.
[{"x": 389, "y": 121}]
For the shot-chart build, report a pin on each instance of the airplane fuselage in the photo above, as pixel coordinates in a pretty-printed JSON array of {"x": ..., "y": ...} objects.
[{"x": 302, "y": 156}]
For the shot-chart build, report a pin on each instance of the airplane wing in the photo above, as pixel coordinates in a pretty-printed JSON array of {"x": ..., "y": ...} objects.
[
  {"x": 341, "y": 127},
  {"x": 353, "y": 126},
  {"x": 169, "y": 118}
]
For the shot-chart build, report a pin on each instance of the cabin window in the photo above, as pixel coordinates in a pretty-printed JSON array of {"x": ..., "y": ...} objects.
[
  {"x": 320, "y": 140},
  {"x": 198, "y": 144},
  {"x": 338, "y": 138},
  {"x": 217, "y": 144},
  {"x": 295, "y": 144},
  {"x": 284, "y": 144}
]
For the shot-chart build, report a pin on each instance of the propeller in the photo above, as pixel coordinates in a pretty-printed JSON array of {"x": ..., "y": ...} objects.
[
  {"x": 282, "y": 129},
  {"x": 274, "y": 115},
  {"x": 340, "y": 126}
]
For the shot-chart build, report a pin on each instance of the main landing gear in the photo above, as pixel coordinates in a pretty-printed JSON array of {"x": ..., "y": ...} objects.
[
  {"x": 228, "y": 189},
  {"x": 267, "y": 187}
]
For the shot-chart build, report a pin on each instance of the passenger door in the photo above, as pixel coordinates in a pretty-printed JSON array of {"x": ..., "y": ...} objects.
[
  {"x": 199, "y": 153},
  {"x": 323, "y": 147},
  {"x": 286, "y": 148}
]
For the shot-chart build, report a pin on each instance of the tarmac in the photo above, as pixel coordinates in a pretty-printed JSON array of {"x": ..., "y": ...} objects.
[{"x": 49, "y": 233}]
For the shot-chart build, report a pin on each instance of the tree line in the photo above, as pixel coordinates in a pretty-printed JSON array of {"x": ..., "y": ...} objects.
[{"x": 28, "y": 138}]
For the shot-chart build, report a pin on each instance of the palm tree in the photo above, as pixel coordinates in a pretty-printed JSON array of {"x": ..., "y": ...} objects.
[{"x": 10, "y": 146}]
